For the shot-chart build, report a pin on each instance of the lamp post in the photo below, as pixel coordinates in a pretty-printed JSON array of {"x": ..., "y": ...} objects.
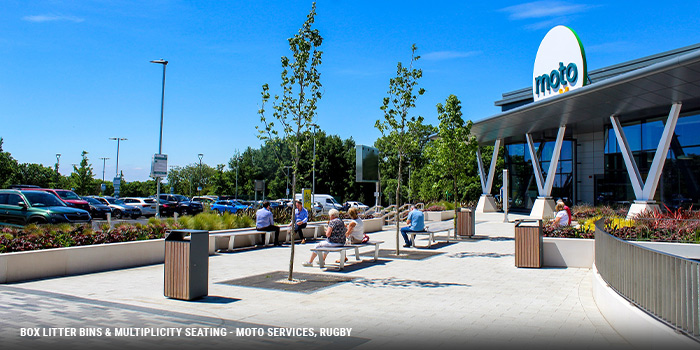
[
  {"x": 286, "y": 167},
  {"x": 238, "y": 161},
  {"x": 201, "y": 155},
  {"x": 104, "y": 161},
  {"x": 160, "y": 139},
  {"x": 118, "y": 139},
  {"x": 313, "y": 171},
  {"x": 58, "y": 158}
]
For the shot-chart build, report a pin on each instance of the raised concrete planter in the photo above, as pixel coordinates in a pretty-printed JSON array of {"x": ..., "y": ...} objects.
[
  {"x": 568, "y": 252},
  {"x": 373, "y": 225},
  {"x": 21, "y": 266},
  {"x": 438, "y": 215}
]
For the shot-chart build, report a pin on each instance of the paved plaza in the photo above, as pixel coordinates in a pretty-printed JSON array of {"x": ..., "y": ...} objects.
[{"x": 469, "y": 295}]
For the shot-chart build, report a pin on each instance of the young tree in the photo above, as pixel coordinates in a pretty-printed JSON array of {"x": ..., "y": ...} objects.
[
  {"x": 296, "y": 108},
  {"x": 83, "y": 178},
  {"x": 8, "y": 167},
  {"x": 453, "y": 146},
  {"x": 397, "y": 126}
]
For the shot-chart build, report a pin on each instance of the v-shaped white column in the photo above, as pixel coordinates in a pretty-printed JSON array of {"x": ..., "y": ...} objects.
[
  {"x": 544, "y": 205},
  {"x": 544, "y": 186},
  {"x": 487, "y": 181},
  {"x": 486, "y": 202},
  {"x": 644, "y": 190}
]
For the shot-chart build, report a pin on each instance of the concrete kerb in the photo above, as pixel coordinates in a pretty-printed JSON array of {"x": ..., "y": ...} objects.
[{"x": 470, "y": 293}]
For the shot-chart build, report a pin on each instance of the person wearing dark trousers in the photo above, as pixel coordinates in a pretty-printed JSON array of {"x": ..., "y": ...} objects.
[
  {"x": 301, "y": 218},
  {"x": 415, "y": 223},
  {"x": 264, "y": 221}
]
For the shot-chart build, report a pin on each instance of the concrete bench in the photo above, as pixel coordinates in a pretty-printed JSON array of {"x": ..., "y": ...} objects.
[
  {"x": 430, "y": 231},
  {"x": 233, "y": 234},
  {"x": 343, "y": 249},
  {"x": 317, "y": 228}
]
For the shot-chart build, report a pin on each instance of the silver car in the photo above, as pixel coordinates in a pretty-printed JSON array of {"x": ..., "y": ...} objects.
[
  {"x": 119, "y": 208},
  {"x": 146, "y": 205}
]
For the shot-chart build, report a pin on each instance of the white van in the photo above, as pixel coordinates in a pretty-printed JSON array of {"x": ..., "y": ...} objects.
[{"x": 327, "y": 201}]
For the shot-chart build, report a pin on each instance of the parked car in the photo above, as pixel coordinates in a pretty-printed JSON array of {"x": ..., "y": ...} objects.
[
  {"x": 326, "y": 201},
  {"x": 97, "y": 208},
  {"x": 146, "y": 205},
  {"x": 68, "y": 197},
  {"x": 22, "y": 207},
  {"x": 357, "y": 205},
  {"x": 182, "y": 204},
  {"x": 229, "y": 206},
  {"x": 119, "y": 209},
  {"x": 205, "y": 199}
]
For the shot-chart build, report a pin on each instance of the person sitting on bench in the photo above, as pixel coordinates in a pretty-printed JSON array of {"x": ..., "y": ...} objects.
[
  {"x": 415, "y": 223},
  {"x": 264, "y": 221},
  {"x": 301, "y": 217},
  {"x": 335, "y": 233}
]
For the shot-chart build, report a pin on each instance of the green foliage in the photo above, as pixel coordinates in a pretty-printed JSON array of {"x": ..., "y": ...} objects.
[
  {"x": 8, "y": 167},
  {"x": 83, "y": 177}
]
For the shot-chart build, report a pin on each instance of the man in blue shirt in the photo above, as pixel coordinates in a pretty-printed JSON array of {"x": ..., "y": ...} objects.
[
  {"x": 264, "y": 221},
  {"x": 414, "y": 222},
  {"x": 301, "y": 218}
]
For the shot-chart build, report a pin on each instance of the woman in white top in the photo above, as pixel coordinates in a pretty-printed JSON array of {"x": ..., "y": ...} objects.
[
  {"x": 562, "y": 218},
  {"x": 356, "y": 229}
]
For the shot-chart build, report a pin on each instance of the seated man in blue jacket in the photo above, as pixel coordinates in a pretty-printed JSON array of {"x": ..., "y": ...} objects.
[
  {"x": 301, "y": 218},
  {"x": 415, "y": 223}
]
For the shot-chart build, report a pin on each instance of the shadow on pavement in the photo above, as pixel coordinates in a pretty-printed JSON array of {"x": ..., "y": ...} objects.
[{"x": 402, "y": 283}]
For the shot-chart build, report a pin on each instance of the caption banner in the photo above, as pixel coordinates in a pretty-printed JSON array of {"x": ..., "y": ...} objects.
[{"x": 182, "y": 332}]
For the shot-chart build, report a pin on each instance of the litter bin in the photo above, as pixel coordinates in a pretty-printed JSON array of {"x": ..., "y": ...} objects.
[
  {"x": 186, "y": 264},
  {"x": 465, "y": 222},
  {"x": 528, "y": 243}
]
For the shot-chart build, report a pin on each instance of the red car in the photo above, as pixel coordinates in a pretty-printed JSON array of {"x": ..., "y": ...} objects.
[{"x": 69, "y": 197}]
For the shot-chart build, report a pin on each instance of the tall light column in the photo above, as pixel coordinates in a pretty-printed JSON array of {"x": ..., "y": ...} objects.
[
  {"x": 313, "y": 172},
  {"x": 199, "y": 184},
  {"x": 118, "y": 139},
  {"x": 160, "y": 139}
]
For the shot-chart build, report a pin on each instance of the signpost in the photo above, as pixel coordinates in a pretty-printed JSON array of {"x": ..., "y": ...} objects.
[{"x": 306, "y": 198}]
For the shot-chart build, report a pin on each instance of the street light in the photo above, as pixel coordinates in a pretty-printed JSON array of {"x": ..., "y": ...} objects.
[
  {"x": 200, "y": 174},
  {"x": 160, "y": 140},
  {"x": 313, "y": 174},
  {"x": 118, "y": 139},
  {"x": 238, "y": 160},
  {"x": 58, "y": 158},
  {"x": 286, "y": 167},
  {"x": 104, "y": 161}
]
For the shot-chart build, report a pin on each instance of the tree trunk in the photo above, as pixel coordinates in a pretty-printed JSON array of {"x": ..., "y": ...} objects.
[
  {"x": 398, "y": 192},
  {"x": 294, "y": 191}
]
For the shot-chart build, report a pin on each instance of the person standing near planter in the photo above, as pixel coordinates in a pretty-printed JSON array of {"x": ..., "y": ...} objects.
[
  {"x": 301, "y": 217},
  {"x": 415, "y": 222},
  {"x": 264, "y": 221}
]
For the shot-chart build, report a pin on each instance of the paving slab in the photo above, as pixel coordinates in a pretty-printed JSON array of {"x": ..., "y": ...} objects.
[{"x": 468, "y": 295}]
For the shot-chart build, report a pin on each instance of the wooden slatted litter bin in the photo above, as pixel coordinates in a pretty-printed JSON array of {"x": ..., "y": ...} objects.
[
  {"x": 186, "y": 264},
  {"x": 465, "y": 222},
  {"x": 528, "y": 243}
]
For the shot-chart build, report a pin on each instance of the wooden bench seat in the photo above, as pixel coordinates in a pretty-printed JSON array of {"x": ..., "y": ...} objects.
[{"x": 343, "y": 249}]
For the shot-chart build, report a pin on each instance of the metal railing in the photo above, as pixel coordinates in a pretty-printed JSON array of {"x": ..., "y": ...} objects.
[{"x": 664, "y": 285}]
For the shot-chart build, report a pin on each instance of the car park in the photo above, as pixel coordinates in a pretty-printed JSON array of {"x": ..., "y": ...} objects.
[
  {"x": 205, "y": 199},
  {"x": 119, "y": 209},
  {"x": 97, "y": 208},
  {"x": 22, "y": 207},
  {"x": 228, "y": 206},
  {"x": 357, "y": 205},
  {"x": 68, "y": 197},
  {"x": 146, "y": 205},
  {"x": 183, "y": 205}
]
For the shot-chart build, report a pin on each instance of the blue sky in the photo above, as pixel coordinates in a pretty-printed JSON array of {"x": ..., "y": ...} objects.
[{"x": 75, "y": 73}]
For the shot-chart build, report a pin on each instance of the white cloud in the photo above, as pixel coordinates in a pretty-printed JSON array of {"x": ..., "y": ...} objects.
[
  {"x": 448, "y": 55},
  {"x": 542, "y": 9},
  {"x": 52, "y": 18}
]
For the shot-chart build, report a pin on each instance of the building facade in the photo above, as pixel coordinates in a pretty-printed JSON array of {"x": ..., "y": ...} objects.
[{"x": 628, "y": 133}]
